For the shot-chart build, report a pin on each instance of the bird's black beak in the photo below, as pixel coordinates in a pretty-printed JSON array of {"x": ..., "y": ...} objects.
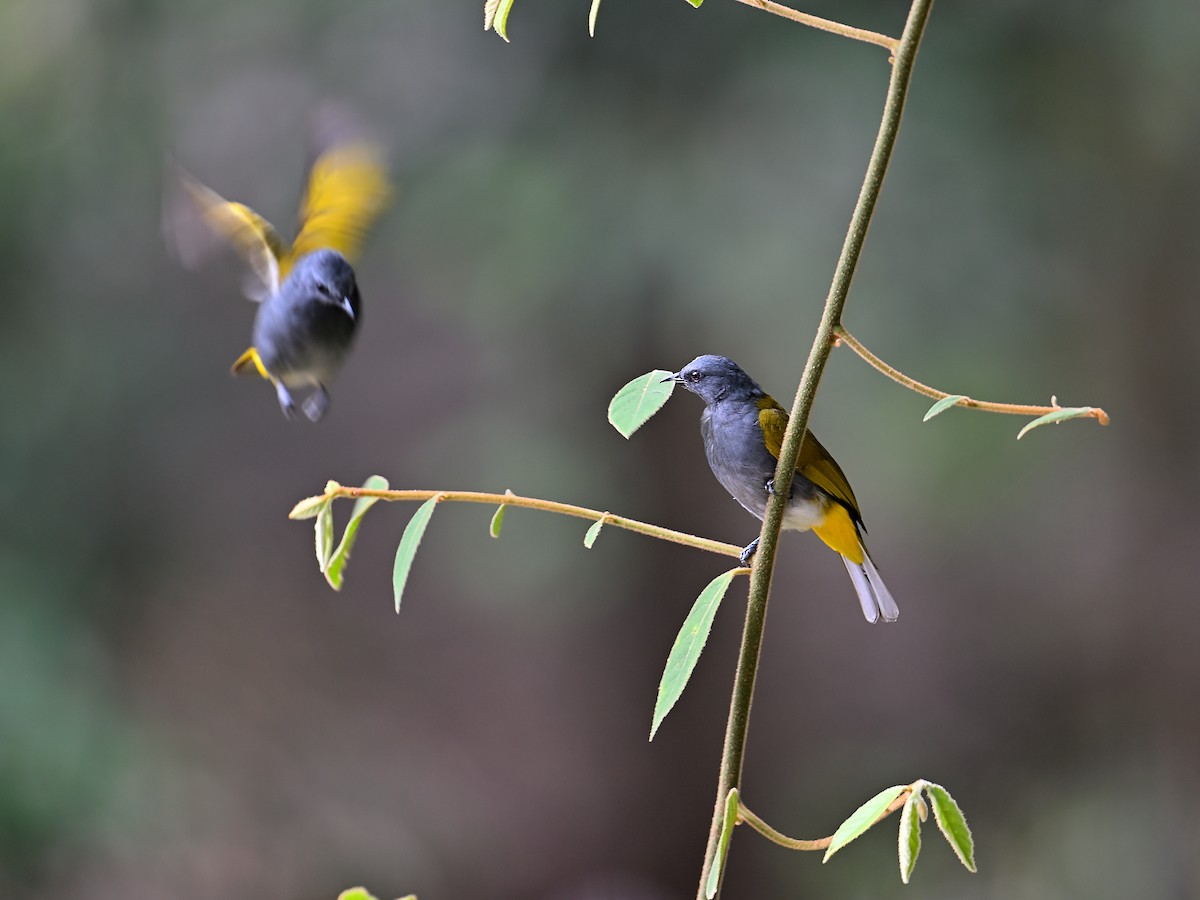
[
  {"x": 677, "y": 378},
  {"x": 348, "y": 307}
]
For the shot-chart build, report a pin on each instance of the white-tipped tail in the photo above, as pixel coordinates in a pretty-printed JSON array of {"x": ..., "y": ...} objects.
[{"x": 873, "y": 595}]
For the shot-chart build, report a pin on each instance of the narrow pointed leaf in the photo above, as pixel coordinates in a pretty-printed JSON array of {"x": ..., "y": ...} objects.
[
  {"x": 863, "y": 818},
  {"x": 324, "y": 535},
  {"x": 407, "y": 549},
  {"x": 309, "y": 507},
  {"x": 696, "y": 3},
  {"x": 910, "y": 835},
  {"x": 592, "y": 533},
  {"x": 495, "y": 16},
  {"x": 1059, "y": 415},
  {"x": 592, "y": 17},
  {"x": 718, "y": 862},
  {"x": 688, "y": 644},
  {"x": 942, "y": 405},
  {"x": 639, "y": 400},
  {"x": 356, "y": 894},
  {"x": 335, "y": 569},
  {"x": 952, "y": 823},
  {"x": 498, "y": 517}
]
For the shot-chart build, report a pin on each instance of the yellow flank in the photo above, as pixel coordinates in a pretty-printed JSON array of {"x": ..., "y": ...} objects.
[
  {"x": 347, "y": 190},
  {"x": 838, "y": 532},
  {"x": 250, "y": 358}
]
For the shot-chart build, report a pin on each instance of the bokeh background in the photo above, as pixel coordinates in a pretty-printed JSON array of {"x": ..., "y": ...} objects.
[{"x": 187, "y": 711}]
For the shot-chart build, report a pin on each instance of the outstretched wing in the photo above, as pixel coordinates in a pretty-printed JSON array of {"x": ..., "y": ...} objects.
[
  {"x": 347, "y": 190},
  {"x": 249, "y": 233},
  {"x": 814, "y": 461}
]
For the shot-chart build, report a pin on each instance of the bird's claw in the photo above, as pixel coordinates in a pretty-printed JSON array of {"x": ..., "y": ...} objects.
[
  {"x": 286, "y": 404},
  {"x": 316, "y": 404},
  {"x": 748, "y": 552}
]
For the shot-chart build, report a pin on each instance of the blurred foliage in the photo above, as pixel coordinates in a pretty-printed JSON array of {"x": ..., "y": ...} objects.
[{"x": 186, "y": 710}]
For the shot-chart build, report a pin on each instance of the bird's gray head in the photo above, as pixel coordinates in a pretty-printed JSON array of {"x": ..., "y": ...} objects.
[
  {"x": 716, "y": 378},
  {"x": 328, "y": 278}
]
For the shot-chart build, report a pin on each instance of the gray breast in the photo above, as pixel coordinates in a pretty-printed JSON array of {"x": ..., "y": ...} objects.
[{"x": 734, "y": 445}]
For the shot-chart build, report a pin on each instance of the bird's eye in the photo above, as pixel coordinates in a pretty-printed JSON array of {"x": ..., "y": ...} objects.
[
  {"x": 693, "y": 375},
  {"x": 324, "y": 289}
]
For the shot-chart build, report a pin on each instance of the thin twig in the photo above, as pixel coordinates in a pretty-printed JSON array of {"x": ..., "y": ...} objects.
[
  {"x": 738, "y": 723},
  {"x": 913, "y": 385},
  {"x": 565, "y": 509},
  {"x": 849, "y": 31},
  {"x": 777, "y": 837}
]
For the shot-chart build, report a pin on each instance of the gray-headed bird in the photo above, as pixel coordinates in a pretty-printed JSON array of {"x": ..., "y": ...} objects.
[
  {"x": 742, "y": 427},
  {"x": 310, "y": 306}
]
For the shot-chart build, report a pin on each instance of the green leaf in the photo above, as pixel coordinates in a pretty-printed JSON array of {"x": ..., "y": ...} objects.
[
  {"x": 337, "y": 563},
  {"x": 696, "y": 3},
  {"x": 952, "y": 823},
  {"x": 718, "y": 862},
  {"x": 309, "y": 507},
  {"x": 356, "y": 894},
  {"x": 407, "y": 549},
  {"x": 688, "y": 644},
  {"x": 495, "y": 16},
  {"x": 863, "y": 818},
  {"x": 498, "y": 516},
  {"x": 942, "y": 405},
  {"x": 592, "y": 533},
  {"x": 324, "y": 535},
  {"x": 910, "y": 835},
  {"x": 1059, "y": 415},
  {"x": 639, "y": 400},
  {"x": 592, "y": 17}
]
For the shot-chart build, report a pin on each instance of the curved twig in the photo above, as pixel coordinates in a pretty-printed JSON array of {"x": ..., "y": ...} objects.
[
  {"x": 1014, "y": 409},
  {"x": 848, "y": 31},
  {"x": 333, "y": 491},
  {"x": 778, "y": 837}
]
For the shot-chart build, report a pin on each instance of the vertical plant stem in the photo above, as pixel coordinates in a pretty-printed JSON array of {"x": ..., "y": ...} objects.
[{"x": 764, "y": 562}]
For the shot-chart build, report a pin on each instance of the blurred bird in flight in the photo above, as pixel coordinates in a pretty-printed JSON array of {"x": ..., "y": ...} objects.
[{"x": 310, "y": 306}]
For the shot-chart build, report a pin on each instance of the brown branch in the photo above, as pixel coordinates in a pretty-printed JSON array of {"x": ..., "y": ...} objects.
[
  {"x": 777, "y": 837},
  {"x": 848, "y": 31},
  {"x": 912, "y": 384},
  {"x": 335, "y": 490}
]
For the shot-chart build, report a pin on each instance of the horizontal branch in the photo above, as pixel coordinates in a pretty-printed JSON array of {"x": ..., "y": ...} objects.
[
  {"x": 912, "y": 384},
  {"x": 776, "y": 837},
  {"x": 335, "y": 490},
  {"x": 848, "y": 31}
]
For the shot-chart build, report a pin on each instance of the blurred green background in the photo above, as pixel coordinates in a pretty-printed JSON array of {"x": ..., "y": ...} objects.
[{"x": 187, "y": 711}]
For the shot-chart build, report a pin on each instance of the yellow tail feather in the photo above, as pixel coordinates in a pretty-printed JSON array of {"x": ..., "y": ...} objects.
[
  {"x": 247, "y": 361},
  {"x": 839, "y": 533}
]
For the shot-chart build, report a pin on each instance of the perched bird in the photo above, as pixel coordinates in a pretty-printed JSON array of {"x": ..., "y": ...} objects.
[
  {"x": 743, "y": 428},
  {"x": 310, "y": 304}
]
